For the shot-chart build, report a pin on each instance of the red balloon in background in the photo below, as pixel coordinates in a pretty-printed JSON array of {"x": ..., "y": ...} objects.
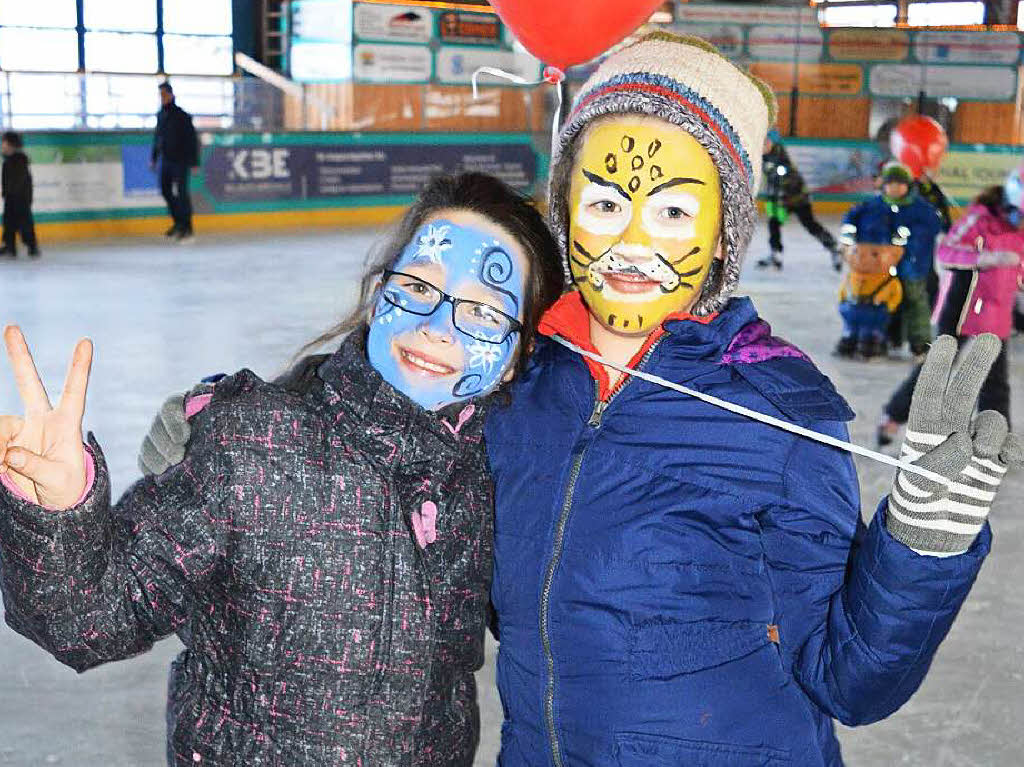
[
  {"x": 919, "y": 143},
  {"x": 568, "y": 32}
]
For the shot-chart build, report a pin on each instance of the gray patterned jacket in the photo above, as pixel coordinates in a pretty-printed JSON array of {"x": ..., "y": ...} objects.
[{"x": 321, "y": 627}]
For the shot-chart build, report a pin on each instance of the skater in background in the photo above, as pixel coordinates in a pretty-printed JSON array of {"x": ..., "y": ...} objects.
[
  {"x": 176, "y": 154},
  {"x": 981, "y": 263},
  {"x": 786, "y": 193},
  {"x": 17, "y": 194},
  {"x": 878, "y": 219},
  {"x": 869, "y": 295},
  {"x": 324, "y": 548}
]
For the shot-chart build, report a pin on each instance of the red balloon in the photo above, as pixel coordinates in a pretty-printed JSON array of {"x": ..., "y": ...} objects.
[
  {"x": 568, "y": 32},
  {"x": 919, "y": 143}
]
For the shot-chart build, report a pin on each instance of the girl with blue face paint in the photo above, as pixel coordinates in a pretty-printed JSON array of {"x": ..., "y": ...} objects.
[
  {"x": 323, "y": 545},
  {"x": 446, "y": 322}
]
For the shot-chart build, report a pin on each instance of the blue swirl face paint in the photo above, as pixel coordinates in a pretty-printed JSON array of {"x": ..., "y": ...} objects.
[{"x": 428, "y": 358}]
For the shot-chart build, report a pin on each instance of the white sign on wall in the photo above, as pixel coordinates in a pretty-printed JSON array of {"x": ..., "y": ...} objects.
[
  {"x": 382, "y": 63},
  {"x": 393, "y": 23},
  {"x": 967, "y": 47},
  {"x": 979, "y": 83},
  {"x": 312, "y": 61},
  {"x": 320, "y": 20},
  {"x": 770, "y": 42},
  {"x": 455, "y": 64},
  {"x": 728, "y": 38},
  {"x": 750, "y": 13}
]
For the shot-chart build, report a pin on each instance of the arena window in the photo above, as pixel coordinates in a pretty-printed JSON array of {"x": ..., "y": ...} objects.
[{"x": 945, "y": 14}]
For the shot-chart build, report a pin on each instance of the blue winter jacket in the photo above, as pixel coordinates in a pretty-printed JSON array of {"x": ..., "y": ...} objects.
[
  {"x": 676, "y": 584},
  {"x": 877, "y": 220}
]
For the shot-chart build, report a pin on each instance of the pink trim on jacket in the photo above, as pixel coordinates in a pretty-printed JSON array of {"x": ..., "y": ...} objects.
[
  {"x": 977, "y": 238},
  {"x": 196, "y": 404},
  {"x": 90, "y": 477}
]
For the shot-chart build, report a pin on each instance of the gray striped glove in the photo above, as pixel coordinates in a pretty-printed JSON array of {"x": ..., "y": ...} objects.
[{"x": 929, "y": 517}]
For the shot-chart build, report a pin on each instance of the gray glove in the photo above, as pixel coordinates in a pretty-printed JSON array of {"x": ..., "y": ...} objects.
[
  {"x": 929, "y": 517},
  {"x": 164, "y": 446}
]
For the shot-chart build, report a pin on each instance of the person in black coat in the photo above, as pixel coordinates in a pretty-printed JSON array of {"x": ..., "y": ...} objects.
[
  {"x": 17, "y": 193},
  {"x": 176, "y": 149}
]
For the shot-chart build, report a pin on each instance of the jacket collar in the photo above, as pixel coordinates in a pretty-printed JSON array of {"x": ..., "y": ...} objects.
[
  {"x": 360, "y": 395},
  {"x": 686, "y": 336}
]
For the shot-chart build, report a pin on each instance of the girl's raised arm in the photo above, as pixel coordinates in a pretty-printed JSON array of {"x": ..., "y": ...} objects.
[{"x": 42, "y": 451}]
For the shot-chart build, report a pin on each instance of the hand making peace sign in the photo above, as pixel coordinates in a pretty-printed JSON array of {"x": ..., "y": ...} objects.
[{"x": 42, "y": 450}]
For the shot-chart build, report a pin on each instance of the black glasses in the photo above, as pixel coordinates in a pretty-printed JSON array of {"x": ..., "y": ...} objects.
[{"x": 472, "y": 318}]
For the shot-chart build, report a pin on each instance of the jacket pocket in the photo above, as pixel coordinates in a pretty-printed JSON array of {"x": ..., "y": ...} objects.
[
  {"x": 665, "y": 649},
  {"x": 639, "y": 750}
]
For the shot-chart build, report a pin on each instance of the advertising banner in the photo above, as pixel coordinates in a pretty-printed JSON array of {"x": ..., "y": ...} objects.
[
  {"x": 839, "y": 171},
  {"x": 92, "y": 177},
  {"x": 812, "y": 79},
  {"x": 967, "y": 47},
  {"x": 979, "y": 83},
  {"x": 455, "y": 64},
  {"x": 868, "y": 44},
  {"x": 843, "y": 170},
  {"x": 964, "y": 174},
  {"x": 384, "y": 63},
  {"x": 771, "y": 42},
  {"x": 728, "y": 38},
  {"x": 299, "y": 171},
  {"x": 393, "y": 23},
  {"x": 467, "y": 28},
  {"x": 749, "y": 13}
]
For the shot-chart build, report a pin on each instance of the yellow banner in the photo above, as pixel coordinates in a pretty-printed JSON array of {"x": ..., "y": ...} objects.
[
  {"x": 965, "y": 174},
  {"x": 868, "y": 44}
]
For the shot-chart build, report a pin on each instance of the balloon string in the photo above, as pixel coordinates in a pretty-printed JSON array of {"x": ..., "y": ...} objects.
[
  {"x": 495, "y": 72},
  {"x": 763, "y": 418},
  {"x": 551, "y": 75}
]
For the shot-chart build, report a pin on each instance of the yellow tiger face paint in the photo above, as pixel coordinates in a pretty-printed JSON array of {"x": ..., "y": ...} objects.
[{"x": 645, "y": 209}]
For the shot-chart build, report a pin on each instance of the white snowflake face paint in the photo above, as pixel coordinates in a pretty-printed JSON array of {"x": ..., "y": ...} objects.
[{"x": 445, "y": 325}]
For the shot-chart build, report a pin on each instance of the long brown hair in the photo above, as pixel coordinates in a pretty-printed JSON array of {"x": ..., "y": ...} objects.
[
  {"x": 493, "y": 199},
  {"x": 994, "y": 199}
]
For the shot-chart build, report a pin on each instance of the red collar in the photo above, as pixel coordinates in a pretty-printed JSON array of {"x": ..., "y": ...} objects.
[{"x": 570, "y": 319}]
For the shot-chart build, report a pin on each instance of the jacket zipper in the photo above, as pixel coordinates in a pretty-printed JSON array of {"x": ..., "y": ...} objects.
[{"x": 594, "y": 422}]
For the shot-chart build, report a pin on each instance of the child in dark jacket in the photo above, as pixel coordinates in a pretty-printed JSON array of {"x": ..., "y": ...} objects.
[
  {"x": 324, "y": 548},
  {"x": 17, "y": 194},
  {"x": 786, "y": 193},
  {"x": 877, "y": 219}
]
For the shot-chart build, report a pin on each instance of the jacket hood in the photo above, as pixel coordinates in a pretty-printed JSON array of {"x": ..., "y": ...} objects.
[{"x": 355, "y": 387}]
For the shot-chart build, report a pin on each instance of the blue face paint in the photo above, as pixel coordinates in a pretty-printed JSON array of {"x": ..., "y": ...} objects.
[{"x": 470, "y": 258}]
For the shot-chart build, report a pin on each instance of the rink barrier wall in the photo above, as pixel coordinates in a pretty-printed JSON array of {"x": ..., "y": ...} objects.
[{"x": 100, "y": 184}]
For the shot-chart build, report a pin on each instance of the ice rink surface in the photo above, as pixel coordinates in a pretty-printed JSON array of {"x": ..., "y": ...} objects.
[{"x": 162, "y": 316}]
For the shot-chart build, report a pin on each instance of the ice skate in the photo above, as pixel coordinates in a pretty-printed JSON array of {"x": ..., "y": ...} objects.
[
  {"x": 846, "y": 347},
  {"x": 887, "y": 431},
  {"x": 773, "y": 259},
  {"x": 837, "y": 257}
]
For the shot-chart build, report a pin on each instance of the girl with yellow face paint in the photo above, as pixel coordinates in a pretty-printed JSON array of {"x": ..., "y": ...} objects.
[{"x": 644, "y": 220}]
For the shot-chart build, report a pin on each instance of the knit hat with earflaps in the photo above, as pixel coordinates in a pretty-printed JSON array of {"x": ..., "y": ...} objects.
[
  {"x": 897, "y": 171},
  {"x": 687, "y": 82}
]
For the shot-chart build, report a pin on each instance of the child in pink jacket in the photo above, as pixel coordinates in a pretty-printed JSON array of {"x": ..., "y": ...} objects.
[{"x": 982, "y": 270}]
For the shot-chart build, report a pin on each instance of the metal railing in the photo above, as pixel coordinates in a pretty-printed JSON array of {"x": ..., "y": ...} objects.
[{"x": 89, "y": 101}]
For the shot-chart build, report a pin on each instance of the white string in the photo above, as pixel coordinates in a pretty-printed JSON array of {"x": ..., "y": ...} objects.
[
  {"x": 554, "y": 121},
  {"x": 520, "y": 80},
  {"x": 763, "y": 418},
  {"x": 495, "y": 72}
]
